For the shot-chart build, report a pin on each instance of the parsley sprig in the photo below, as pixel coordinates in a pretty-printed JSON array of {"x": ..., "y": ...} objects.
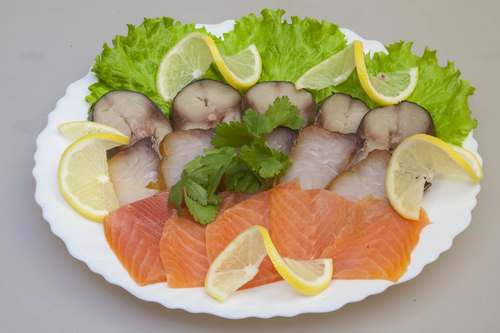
[{"x": 240, "y": 160}]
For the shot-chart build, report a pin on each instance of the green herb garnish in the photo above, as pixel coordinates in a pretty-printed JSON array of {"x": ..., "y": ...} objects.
[{"x": 241, "y": 161}]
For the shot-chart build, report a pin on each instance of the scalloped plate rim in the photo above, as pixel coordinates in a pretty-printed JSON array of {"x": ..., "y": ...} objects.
[{"x": 50, "y": 144}]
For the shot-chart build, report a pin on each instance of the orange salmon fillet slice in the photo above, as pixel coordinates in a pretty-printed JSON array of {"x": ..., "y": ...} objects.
[
  {"x": 183, "y": 252},
  {"x": 133, "y": 232},
  {"x": 376, "y": 243},
  {"x": 304, "y": 223},
  {"x": 366, "y": 239},
  {"x": 231, "y": 222}
]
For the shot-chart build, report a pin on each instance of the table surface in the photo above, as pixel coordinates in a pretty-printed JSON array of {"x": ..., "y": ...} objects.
[{"x": 48, "y": 44}]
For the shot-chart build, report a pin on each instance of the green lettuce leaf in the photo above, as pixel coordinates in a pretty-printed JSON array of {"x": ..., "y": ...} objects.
[
  {"x": 440, "y": 90},
  {"x": 287, "y": 49},
  {"x": 131, "y": 62}
]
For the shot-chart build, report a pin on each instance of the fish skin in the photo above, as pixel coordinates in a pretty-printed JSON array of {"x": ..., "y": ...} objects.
[{"x": 134, "y": 231}]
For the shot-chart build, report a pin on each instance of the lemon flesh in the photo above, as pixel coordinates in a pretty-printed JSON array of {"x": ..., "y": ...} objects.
[
  {"x": 188, "y": 60},
  {"x": 307, "y": 277},
  {"x": 239, "y": 262},
  {"x": 193, "y": 55},
  {"x": 241, "y": 70},
  {"x": 83, "y": 175},
  {"x": 473, "y": 159},
  {"x": 384, "y": 88},
  {"x": 417, "y": 160},
  {"x": 330, "y": 72},
  {"x": 74, "y": 130}
]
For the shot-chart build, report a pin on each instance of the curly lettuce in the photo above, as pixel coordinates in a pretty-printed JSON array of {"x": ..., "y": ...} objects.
[
  {"x": 132, "y": 61},
  {"x": 440, "y": 90},
  {"x": 287, "y": 49}
]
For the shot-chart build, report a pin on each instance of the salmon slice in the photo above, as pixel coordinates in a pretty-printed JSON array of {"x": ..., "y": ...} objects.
[
  {"x": 304, "y": 223},
  {"x": 233, "y": 221},
  {"x": 375, "y": 243},
  {"x": 238, "y": 213},
  {"x": 230, "y": 199},
  {"x": 183, "y": 252},
  {"x": 183, "y": 246},
  {"x": 133, "y": 232}
]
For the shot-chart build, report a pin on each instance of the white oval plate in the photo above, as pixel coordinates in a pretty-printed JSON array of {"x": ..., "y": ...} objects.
[{"x": 448, "y": 204}]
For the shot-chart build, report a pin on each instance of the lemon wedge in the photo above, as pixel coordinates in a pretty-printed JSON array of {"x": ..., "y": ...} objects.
[
  {"x": 417, "y": 160},
  {"x": 191, "y": 57},
  {"x": 471, "y": 158},
  {"x": 241, "y": 70},
  {"x": 239, "y": 262},
  {"x": 83, "y": 175},
  {"x": 188, "y": 60},
  {"x": 308, "y": 277},
  {"x": 384, "y": 88},
  {"x": 74, "y": 130},
  {"x": 330, "y": 72}
]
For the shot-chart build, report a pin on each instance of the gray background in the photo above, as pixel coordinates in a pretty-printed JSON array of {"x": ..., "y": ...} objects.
[{"x": 45, "y": 45}]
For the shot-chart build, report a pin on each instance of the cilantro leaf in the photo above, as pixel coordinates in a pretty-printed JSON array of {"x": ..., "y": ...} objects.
[
  {"x": 200, "y": 179},
  {"x": 176, "y": 195},
  {"x": 240, "y": 178},
  {"x": 233, "y": 134},
  {"x": 203, "y": 214},
  {"x": 254, "y": 169},
  {"x": 264, "y": 161},
  {"x": 280, "y": 113},
  {"x": 283, "y": 113},
  {"x": 204, "y": 168},
  {"x": 196, "y": 192}
]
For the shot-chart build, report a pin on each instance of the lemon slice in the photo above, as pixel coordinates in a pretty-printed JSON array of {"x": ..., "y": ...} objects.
[
  {"x": 308, "y": 277},
  {"x": 241, "y": 70},
  {"x": 239, "y": 262},
  {"x": 83, "y": 175},
  {"x": 74, "y": 130},
  {"x": 416, "y": 160},
  {"x": 384, "y": 88},
  {"x": 330, "y": 72},
  {"x": 192, "y": 57},
  {"x": 472, "y": 158},
  {"x": 188, "y": 60}
]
